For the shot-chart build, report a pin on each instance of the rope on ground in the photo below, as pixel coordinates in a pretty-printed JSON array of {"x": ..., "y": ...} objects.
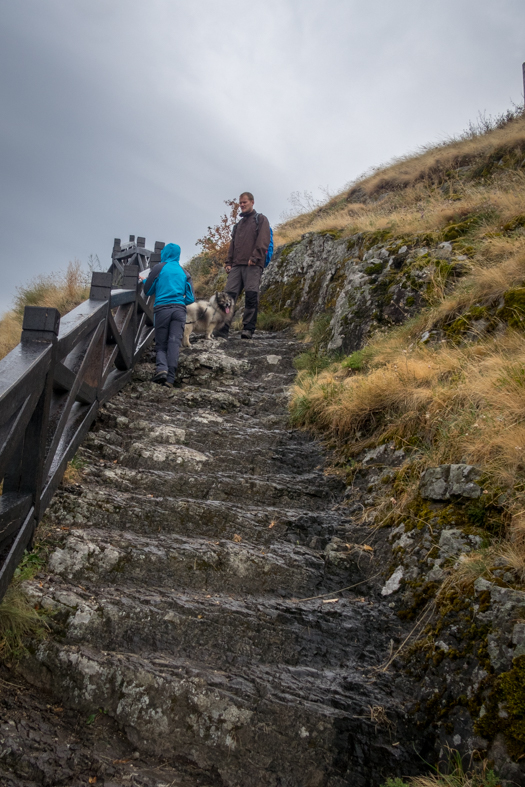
[
  {"x": 424, "y": 618},
  {"x": 323, "y": 595}
]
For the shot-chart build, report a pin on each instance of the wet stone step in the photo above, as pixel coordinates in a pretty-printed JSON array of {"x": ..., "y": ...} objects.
[
  {"x": 222, "y": 631},
  {"x": 291, "y": 721},
  {"x": 262, "y": 525},
  {"x": 223, "y": 447},
  {"x": 201, "y": 564},
  {"x": 311, "y": 491}
]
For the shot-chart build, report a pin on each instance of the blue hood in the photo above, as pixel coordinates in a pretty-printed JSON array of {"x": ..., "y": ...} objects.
[
  {"x": 170, "y": 253},
  {"x": 168, "y": 280}
]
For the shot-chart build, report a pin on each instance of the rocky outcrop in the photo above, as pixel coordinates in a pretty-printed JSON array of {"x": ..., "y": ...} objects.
[{"x": 366, "y": 282}]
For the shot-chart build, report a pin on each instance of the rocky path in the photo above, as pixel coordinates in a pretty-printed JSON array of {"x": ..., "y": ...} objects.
[{"x": 194, "y": 590}]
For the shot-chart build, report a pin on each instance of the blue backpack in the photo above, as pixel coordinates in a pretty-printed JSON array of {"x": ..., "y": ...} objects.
[{"x": 269, "y": 253}]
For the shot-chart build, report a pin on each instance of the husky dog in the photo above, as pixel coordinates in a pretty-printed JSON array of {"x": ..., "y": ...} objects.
[{"x": 207, "y": 316}]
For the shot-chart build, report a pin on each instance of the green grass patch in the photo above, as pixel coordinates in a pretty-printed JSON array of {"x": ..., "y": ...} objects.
[
  {"x": 358, "y": 360},
  {"x": 451, "y": 773},
  {"x": 273, "y": 321},
  {"x": 313, "y": 361}
]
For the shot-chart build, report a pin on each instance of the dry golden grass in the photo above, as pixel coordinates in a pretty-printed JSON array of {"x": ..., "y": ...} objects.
[
  {"x": 456, "y": 403},
  {"x": 61, "y": 291},
  {"x": 445, "y": 157},
  {"x": 485, "y": 285},
  {"x": 19, "y": 621},
  {"x": 411, "y": 198},
  {"x": 10, "y": 330},
  {"x": 467, "y": 569},
  {"x": 420, "y": 209}
]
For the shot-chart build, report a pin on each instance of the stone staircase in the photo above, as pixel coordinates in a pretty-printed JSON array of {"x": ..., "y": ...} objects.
[{"x": 194, "y": 587}]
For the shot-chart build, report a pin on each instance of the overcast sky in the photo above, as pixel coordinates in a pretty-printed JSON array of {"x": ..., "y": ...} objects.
[{"x": 141, "y": 116}]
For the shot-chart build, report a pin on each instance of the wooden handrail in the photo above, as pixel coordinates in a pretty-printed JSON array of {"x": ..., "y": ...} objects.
[{"x": 53, "y": 383}]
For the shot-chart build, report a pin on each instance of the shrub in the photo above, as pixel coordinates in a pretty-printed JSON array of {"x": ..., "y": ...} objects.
[
  {"x": 357, "y": 361},
  {"x": 207, "y": 266}
]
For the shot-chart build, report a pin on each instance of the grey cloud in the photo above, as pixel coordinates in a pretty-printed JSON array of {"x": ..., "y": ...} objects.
[{"x": 142, "y": 117}]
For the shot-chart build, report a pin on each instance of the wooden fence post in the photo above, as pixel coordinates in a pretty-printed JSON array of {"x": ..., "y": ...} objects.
[
  {"x": 130, "y": 281},
  {"x": 40, "y": 326},
  {"x": 100, "y": 286}
]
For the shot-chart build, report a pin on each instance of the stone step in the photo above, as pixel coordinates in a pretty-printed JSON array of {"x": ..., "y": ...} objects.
[
  {"x": 216, "y": 520},
  {"x": 225, "y": 446},
  {"x": 198, "y": 564},
  {"x": 268, "y": 725},
  {"x": 219, "y": 630},
  {"x": 310, "y": 492}
]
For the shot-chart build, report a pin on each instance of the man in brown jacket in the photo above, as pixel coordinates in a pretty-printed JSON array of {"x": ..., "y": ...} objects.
[{"x": 245, "y": 262}]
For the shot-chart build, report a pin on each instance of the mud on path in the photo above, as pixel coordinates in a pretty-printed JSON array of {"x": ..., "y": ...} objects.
[{"x": 192, "y": 585}]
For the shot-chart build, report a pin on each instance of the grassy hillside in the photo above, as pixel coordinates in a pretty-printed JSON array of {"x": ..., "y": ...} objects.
[
  {"x": 477, "y": 178},
  {"x": 448, "y": 385}
]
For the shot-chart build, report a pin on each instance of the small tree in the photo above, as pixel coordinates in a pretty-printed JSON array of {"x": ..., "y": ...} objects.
[{"x": 217, "y": 240}]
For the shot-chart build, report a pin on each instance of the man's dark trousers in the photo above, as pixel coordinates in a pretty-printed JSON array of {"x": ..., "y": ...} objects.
[
  {"x": 247, "y": 278},
  {"x": 169, "y": 328}
]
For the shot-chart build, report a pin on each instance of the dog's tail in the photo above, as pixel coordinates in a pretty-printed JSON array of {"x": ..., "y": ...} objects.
[{"x": 202, "y": 311}]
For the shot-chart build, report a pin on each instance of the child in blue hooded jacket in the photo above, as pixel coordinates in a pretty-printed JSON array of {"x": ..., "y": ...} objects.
[{"x": 173, "y": 292}]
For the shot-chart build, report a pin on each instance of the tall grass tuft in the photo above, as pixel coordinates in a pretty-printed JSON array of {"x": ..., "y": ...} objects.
[
  {"x": 19, "y": 620},
  {"x": 61, "y": 291},
  {"x": 451, "y": 774}
]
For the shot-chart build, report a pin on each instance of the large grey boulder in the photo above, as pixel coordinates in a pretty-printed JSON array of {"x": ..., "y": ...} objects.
[{"x": 449, "y": 481}]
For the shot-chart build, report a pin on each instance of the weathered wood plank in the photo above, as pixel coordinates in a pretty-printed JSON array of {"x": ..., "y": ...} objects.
[
  {"x": 72, "y": 396},
  {"x": 21, "y": 372},
  {"x": 145, "y": 306},
  {"x": 115, "y": 381},
  {"x": 22, "y": 541},
  {"x": 75, "y": 431},
  {"x": 13, "y": 510},
  {"x": 124, "y": 357},
  {"x": 64, "y": 379},
  {"x": 132, "y": 251},
  {"x": 14, "y": 432},
  {"x": 121, "y": 297},
  {"x": 78, "y": 324}
]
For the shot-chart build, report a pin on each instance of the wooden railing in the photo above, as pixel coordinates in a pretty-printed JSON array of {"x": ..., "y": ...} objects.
[{"x": 53, "y": 383}]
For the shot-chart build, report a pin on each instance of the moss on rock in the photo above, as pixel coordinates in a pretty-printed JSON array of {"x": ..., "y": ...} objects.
[
  {"x": 513, "y": 311},
  {"x": 503, "y": 710}
]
